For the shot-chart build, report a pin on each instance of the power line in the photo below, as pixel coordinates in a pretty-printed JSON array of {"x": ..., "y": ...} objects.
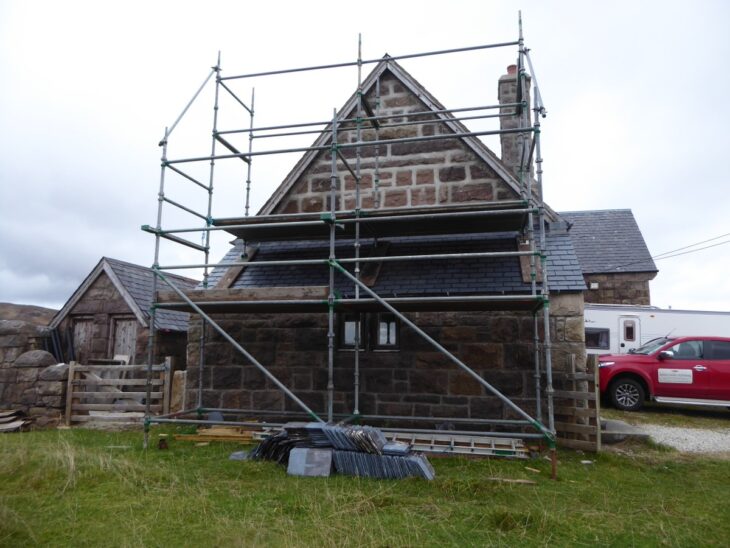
[
  {"x": 693, "y": 250},
  {"x": 673, "y": 253},
  {"x": 693, "y": 245}
]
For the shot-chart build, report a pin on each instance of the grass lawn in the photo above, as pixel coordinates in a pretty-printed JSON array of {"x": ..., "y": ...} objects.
[
  {"x": 88, "y": 488},
  {"x": 666, "y": 415}
]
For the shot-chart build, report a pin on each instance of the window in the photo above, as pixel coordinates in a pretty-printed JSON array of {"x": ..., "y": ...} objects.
[
  {"x": 377, "y": 331},
  {"x": 386, "y": 332},
  {"x": 718, "y": 350},
  {"x": 347, "y": 330},
  {"x": 598, "y": 338},
  {"x": 687, "y": 350},
  {"x": 629, "y": 330}
]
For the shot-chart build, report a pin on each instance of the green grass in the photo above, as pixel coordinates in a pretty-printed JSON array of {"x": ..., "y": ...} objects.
[
  {"x": 683, "y": 416},
  {"x": 72, "y": 488}
]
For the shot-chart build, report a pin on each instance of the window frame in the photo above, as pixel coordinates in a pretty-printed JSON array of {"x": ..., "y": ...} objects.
[
  {"x": 369, "y": 331},
  {"x": 376, "y": 345},
  {"x": 342, "y": 320}
]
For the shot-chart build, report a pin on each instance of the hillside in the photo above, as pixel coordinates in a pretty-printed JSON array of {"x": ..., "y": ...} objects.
[{"x": 34, "y": 314}]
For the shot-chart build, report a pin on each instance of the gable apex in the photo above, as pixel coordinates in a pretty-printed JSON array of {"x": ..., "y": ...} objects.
[{"x": 386, "y": 68}]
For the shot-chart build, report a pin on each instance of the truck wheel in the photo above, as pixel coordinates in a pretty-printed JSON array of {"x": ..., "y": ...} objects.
[{"x": 627, "y": 394}]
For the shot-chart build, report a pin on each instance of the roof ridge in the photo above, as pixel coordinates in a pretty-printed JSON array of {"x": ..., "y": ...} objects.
[{"x": 147, "y": 269}]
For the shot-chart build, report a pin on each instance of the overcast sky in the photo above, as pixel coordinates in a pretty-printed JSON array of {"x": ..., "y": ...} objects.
[{"x": 636, "y": 92}]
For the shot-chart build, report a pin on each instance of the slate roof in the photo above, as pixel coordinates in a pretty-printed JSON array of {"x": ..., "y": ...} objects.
[
  {"x": 608, "y": 241},
  {"x": 137, "y": 281},
  {"x": 415, "y": 278}
]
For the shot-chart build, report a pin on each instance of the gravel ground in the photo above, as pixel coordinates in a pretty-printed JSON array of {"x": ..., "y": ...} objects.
[{"x": 690, "y": 440}]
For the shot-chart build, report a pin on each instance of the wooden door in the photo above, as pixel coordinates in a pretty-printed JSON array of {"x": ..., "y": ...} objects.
[
  {"x": 125, "y": 338},
  {"x": 83, "y": 333}
]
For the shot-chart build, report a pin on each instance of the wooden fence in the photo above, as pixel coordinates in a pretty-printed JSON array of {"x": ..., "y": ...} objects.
[
  {"x": 115, "y": 392},
  {"x": 577, "y": 407}
]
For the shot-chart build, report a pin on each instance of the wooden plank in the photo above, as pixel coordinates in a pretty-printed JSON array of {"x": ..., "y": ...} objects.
[
  {"x": 575, "y": 428},
  {"x": 577, "y": 376},
  {"x": 89, "y": 368},
  {"x": 525, "y": 265},
  {"x": 248, "y": 294},
  {"x": 117, "y": 382},
  {"x": 120, "y": 407},
  {"x": 69, "y": 391},
  {"x": 579, "y": 444},
  {"x": 117, "y": 417},
  {"x": 575, "y": 411},
  {"x": 233, "y": 272},
  {"x": 166, "y": 374},
  {"x": 574, "y": 395},
  {"x": 370, "y": 271},
  {"x": 10, "y": 413},
  {"x": 117, "y": 395}
]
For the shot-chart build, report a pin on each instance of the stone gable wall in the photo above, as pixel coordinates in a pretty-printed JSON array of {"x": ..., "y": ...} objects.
[
  {"x": 414, "y": 381},
  {"x": 624, "y": 288},
  {"x": 410, "y": 174},
  {"x": 101, "y": 303}
]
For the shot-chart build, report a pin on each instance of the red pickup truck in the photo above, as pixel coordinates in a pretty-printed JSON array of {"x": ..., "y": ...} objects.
[{"x": 680, "y": 370}]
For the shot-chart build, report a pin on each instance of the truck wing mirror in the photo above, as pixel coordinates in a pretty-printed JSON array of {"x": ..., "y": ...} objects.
[{"x": 666, "y": 355}]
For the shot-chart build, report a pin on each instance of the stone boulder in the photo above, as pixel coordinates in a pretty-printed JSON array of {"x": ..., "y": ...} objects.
[
  {"x": 57, "y": 372},
  {"x": 35, "y": 358}
]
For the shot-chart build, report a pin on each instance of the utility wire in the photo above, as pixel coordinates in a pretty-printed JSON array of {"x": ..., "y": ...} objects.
[
  {"x": 693, "y": 250},
  {"x": 673, "y": 253},
  {"x": 693, "y": 245}
]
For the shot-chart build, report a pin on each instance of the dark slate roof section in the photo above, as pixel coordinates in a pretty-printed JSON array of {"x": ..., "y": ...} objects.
[
  {"x": 416, "y": 278},
  {"x": 608, "y": 241},
  {"x": 137, "y": 280}
]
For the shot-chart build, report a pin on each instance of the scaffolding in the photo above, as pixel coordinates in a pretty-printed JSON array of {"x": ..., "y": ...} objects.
[{"x": 525, "y": 215}]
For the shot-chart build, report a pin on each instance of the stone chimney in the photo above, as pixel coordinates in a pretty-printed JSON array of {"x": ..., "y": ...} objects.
[{"x": 512, "y": 143}]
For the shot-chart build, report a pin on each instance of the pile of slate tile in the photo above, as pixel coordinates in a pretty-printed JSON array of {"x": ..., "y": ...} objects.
[
  {"x": 361, "y": 451},
  {"x": 12, "y": 420}
]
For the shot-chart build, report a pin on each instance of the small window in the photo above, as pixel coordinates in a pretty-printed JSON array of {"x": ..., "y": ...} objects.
[
  {"x": 386, "y": 332},
  {"x": 629, "y": 330},
  {"x": 719, "y": 350},
  {"x": 598, "y": 338},
  {"x": 348, "y": 331}
]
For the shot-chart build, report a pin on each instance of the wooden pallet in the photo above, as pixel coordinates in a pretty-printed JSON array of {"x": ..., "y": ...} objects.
[{"x": 577, "y": 406}]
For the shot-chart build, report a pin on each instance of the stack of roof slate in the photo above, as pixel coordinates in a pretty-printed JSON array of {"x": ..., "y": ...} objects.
[
  {"x": 361, "y": 451},
  {"x": 12, "y": 421}
]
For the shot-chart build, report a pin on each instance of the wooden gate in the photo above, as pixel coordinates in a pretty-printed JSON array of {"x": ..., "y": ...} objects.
[
  {"x": 115, "y": 393},
  {"x": 577, "y": 407}
]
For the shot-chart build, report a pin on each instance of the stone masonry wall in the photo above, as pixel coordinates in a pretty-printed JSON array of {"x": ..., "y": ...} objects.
[
  {"x": 625, "y": 288},
  {"x": 414, "y": 381},
  {"x": 410, "y": 174}
]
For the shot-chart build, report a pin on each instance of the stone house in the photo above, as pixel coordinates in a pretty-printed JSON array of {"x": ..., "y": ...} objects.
[
  {"x": 400, "y": 375},
  {"x": 109, "y": 315},
  {"x": 616, "y": 263}
]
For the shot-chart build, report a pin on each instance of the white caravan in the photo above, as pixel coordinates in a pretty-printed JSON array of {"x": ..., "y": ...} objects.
[{"x": 616, "y": 328}]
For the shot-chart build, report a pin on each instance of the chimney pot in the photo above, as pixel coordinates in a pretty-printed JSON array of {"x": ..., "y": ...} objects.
[{"x": 512, "y": 69}]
